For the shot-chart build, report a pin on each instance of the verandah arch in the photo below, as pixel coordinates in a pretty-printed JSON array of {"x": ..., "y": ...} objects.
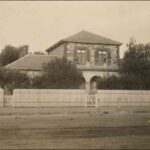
[{"x": 93, "y": 75}]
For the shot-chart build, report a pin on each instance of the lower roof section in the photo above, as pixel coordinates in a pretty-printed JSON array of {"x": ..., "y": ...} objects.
[
  {"x": 34, "y": 62},
  {"x": 30, "y": 62}
]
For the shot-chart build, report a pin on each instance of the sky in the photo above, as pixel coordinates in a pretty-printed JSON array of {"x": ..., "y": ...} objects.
[{"x": 40, "y": 24}]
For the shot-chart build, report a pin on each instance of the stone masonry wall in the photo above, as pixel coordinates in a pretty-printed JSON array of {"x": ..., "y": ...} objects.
[{"x": 72, "y": 47}]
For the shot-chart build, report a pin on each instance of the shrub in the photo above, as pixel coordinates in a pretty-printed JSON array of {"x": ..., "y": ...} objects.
[{"x": 59, "y": 74}]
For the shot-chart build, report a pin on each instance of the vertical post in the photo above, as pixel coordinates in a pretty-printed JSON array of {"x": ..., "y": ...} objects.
[
  {"x": 96, "y": 102},
  {"x": 95, "y": 93},
  {"x": 87, "y": 88},
  {"x": 2, "y": 97},
  {"x": 12, "y": 100},
  {"x": 86, "y": 100}
]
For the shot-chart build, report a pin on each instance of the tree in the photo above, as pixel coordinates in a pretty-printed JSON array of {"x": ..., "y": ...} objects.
[
  {"x": 8, "y": 55},
  {"x": 59, "y": 74},
  {"x": 13, "y": 79},
  {"x": 136, "y": 64}
]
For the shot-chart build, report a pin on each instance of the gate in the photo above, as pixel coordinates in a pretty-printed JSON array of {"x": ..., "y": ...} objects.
[
  {"x": 91, "y": 100},
  {"x": 92, "y": 94},
  {"x": 8, "y": 101}
]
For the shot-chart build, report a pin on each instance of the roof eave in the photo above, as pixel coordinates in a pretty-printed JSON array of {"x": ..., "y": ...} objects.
[{"x": 117, "y": 44}]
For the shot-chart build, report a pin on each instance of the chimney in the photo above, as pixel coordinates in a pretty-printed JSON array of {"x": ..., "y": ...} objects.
[{"x": 23, "y": 50}]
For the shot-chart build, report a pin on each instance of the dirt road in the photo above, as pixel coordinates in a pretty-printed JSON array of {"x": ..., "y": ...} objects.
[{"x": 116, "y": 130}]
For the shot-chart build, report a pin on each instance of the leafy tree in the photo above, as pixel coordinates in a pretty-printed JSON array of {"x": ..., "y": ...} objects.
[
  {"x": 136, "y": 65},
  {"x": 13, "y": 79},
  {"x": 121, "y": 82},
  {"x": 59, "y": 74},
  {"x": 8, "y": 55},
  {"x": 131, "y": 82}
]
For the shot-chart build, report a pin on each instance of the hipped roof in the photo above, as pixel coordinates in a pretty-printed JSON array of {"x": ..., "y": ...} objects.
[{"x": 85, "y": 37}]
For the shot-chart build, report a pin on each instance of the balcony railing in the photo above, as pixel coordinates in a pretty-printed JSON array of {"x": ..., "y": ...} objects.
[{"x": 98, "y": 66}]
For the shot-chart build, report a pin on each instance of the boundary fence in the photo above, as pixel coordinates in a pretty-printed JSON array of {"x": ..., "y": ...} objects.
[{"x": 74, "y": 97}]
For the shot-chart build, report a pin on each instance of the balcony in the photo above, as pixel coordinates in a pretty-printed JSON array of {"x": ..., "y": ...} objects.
[{"x": 98, "y": 67}]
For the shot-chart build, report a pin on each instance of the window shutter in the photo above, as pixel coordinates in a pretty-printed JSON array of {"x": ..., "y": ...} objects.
[
  {"x": 88, "y": 55},
  {"x": 109, "y": 56},
  {"x": 75, "y": 54},
  {"x": 96, "y": 55}
]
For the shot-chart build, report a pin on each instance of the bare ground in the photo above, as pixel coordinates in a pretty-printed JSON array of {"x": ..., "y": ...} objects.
[{"x": 114, "y": 130}]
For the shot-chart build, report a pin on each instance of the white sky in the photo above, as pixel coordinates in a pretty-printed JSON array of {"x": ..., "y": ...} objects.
[{"x": 41, "y": 24}]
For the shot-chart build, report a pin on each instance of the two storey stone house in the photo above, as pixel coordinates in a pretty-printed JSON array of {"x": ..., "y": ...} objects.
[{"x": 93, "y": 54}]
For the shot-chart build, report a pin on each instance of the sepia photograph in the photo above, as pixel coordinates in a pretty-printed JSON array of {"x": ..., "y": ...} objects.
[{"x": 75, "y": 75}]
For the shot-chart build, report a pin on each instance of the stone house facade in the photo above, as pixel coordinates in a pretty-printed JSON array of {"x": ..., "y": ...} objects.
[{"x": 94, "y": 55}]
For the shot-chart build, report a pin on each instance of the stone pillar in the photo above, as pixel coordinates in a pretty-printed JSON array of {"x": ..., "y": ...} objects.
[
  {"x": 87, "y": 87},
  {"x": 87, "y": 77}
]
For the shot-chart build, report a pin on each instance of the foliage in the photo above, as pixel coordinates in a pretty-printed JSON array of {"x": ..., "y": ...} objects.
[
  {"x": 8, "y": 55},
  {"x": 131, "y": 82},
  {"x": 13, "y": 79},
  {"x": 39, "y": 82},
  {"x": 136, "y": 61},
  {"x": 108, "y": 82},
  {"x": 59, "y": 74},
  {"x": 123, "y": 82},
  {"x": 136, "y": 65}
]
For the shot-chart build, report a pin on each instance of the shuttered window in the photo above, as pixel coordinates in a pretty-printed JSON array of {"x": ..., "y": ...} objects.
[
  {"x": 101, "y": 56},
  {"x": 81, "y": 56}
]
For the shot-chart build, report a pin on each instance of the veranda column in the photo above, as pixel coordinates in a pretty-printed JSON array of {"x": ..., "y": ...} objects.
[
  {"x": 87, "y": 77},
  {"x": 87, "y": 87}
]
